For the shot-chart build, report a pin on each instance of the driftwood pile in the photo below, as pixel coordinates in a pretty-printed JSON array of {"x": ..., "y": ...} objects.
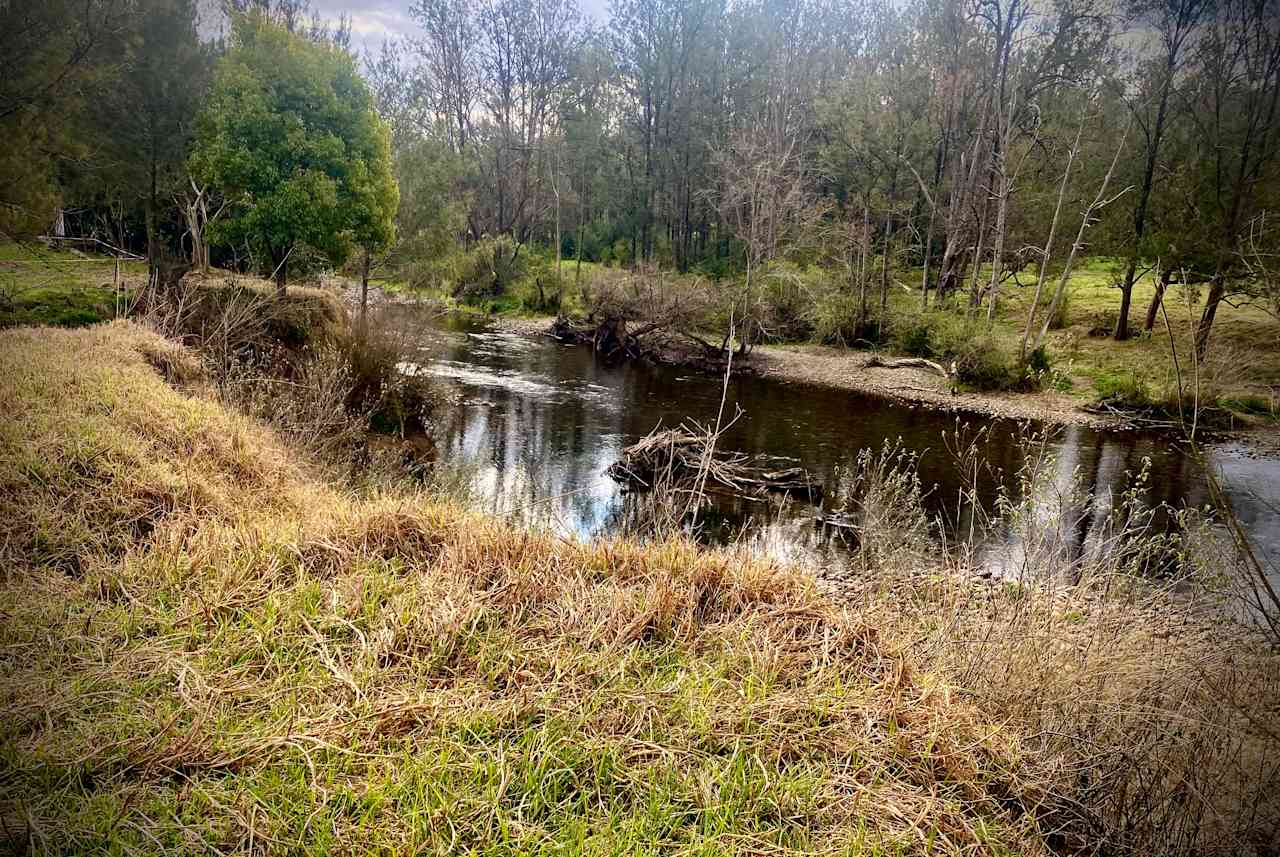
[
  {"x": 609, "y": 338},
  {"x": 683, "y": 459}
]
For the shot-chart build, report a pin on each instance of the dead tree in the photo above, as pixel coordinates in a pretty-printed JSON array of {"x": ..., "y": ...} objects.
[{"x": 1100, "y": 201}]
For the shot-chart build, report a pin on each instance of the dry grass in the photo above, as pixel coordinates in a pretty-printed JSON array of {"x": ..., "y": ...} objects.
[{"x": 272, "y": 665}]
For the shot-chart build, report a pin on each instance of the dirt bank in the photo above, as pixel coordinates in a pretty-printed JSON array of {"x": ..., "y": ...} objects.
[{"x": 849, "y": 370}]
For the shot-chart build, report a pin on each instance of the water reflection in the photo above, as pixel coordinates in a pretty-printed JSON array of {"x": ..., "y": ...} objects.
[{"x": 541, "y": 422}]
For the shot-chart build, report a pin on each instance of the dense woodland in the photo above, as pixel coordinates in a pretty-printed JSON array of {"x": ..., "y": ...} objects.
[{"x": 964, "y": 146}]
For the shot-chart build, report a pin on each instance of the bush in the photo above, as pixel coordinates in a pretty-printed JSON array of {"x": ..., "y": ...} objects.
[
  {"x": 389, "y": 399},
  {"x": 983, "y": 364},
  {"x": 542, "y": 290},
  {"x": 916, "y": 340},
  {"x": 835, "y": 319},
  {"x": 785, "y": 305},
  {"x": 1123, "y": 389},
  {"x": 1038, "y": 362},
  {"x": 489, "y": 269}
]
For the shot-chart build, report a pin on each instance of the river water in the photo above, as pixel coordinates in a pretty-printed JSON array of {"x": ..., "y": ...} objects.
[{"x": 538, "y": 423}]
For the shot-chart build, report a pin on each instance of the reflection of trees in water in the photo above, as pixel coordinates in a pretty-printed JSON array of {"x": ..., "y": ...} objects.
[{"x": 543, "y": 452}]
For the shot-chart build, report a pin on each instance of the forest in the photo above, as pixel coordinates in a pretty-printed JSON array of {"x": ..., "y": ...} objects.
[
  {"x": 801, "y": 166},
  {"x": 716, "y": 427}
]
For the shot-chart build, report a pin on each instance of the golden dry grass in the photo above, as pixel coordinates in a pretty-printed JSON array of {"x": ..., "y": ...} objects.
[{"x": 206, "y": 649}]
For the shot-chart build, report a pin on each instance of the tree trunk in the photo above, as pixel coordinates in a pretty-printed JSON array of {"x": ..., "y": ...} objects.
[
  {"x": 928, "y": 250},
  {"x": 1140, "y": 212},
  {"x": 1217, "y": 291},
  {"x": 975, "y": 291},
  {"x": 884, "y": 270},
  {"x": 1162, "y": 282},
  {"x": 153, "y": 245},
  {"x": 997, "y": 250},
  {"x": 862, "y": 270},
  {"x": 365, "y": 264},
  {"x": 282, "y": 273},
  {"x": 1048, "y": 244}
]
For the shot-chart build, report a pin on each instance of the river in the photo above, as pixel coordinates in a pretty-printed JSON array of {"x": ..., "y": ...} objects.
[{"x": 537, "y": 424}]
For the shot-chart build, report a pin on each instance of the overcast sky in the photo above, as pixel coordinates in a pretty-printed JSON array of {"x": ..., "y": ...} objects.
[{"x": 375, "y": 20}]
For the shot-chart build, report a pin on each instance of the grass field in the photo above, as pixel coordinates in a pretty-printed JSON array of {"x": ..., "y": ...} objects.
[
  {"x": 1242, "y": 366},
  {"x": 62, "y": 288}
]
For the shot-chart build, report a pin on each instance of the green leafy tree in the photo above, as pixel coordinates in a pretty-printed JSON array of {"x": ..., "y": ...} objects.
[{"x": 291, "y": 138}]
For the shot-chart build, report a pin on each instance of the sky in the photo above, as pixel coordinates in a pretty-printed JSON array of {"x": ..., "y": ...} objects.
[{"x": 375, "y": 20}]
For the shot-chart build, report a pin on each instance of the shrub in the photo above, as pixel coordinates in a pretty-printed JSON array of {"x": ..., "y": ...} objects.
[
  {"x": 785, "y": 305},
  {"x": 1038, "y": 361},
  {"x": 835, "y": 319},
  {"x": 489, "y": 269},
  {"x": 542, "y": 290},
  {"x": 1123, "y": 389},
  {"x": 390, "y": 399},
  {"x": 984, "y": 364},
  {"x": 1061, "y": 317},
  {"x": 916, "y": 340}
]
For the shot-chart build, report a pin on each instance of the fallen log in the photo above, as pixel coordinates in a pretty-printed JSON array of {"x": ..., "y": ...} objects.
[
  {"x": 878, "y": 362},
  {"x": 684, "y": 458}
]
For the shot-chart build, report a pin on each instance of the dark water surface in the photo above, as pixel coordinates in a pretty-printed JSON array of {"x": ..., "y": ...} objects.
[{"x": 539, "y": 423}]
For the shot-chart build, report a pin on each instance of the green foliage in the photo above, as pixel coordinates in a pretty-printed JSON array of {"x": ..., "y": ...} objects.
[
  {"x": 915, "y": 340},
  {"x": 1038, "y": 361},
  {"x": 786, "y": 299},
  {"x": 1123, "y": 389},
  {"x": 835, "y": 318},
  {"x": 145, "y": 113},
  {"x": 985, "y": 364},
  {"x": 56, "y": 55},
  {"x": 290, "y": 136},
  {"x": 488, "y": 269},
  {"x": 542, "y": 291},
  {"x": 617, "y": 254},
  {"x": 59, "y": 305},
  {"x": 431, "y": 215}
]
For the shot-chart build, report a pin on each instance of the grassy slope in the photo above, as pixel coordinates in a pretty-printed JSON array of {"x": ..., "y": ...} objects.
[
  {"x": 67, "y": 289},
  {"x": 1245, "y": 343},
  {"x": 204, "y": 646}
]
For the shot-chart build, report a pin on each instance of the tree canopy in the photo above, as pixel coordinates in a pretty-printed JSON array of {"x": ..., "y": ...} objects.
[{"x": 290, "y": 136}]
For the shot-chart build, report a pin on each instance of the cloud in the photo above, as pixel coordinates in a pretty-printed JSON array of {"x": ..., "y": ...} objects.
[{"x": 372, "y": 21}]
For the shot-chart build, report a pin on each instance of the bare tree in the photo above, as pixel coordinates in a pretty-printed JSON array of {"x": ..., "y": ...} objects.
[
  {"x": 1048, "y": 243},
  {"x": 766, "y": 199},
  {"x": 1100, "y": 201}
]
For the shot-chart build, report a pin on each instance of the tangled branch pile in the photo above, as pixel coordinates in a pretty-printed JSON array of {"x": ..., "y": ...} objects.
[{"x": 687, "y": 456}]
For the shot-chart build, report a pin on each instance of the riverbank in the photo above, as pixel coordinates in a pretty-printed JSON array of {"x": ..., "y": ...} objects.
[
  {"x": 207, "y": 645},
  {"x": 844, "y": 369},
  {"x": 854, "y": 371}
]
